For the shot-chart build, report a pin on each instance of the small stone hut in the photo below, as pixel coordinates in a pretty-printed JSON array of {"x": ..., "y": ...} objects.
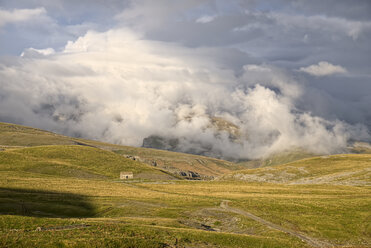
[{"x": 126, "y": 175}]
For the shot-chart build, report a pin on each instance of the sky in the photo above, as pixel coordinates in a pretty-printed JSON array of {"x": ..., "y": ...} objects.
[{"x": 285, "y": 74}]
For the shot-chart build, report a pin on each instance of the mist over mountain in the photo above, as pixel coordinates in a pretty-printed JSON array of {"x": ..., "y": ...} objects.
[{"x": 234, "y": 79}]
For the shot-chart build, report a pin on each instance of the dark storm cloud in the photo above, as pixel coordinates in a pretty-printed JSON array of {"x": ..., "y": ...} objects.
[{"x": 289, "y": 33}]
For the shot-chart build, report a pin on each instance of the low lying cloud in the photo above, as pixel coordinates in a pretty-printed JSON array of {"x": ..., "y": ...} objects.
[
  {"x": 118, "y": 87},
  {"x": 323, "y": 68}
]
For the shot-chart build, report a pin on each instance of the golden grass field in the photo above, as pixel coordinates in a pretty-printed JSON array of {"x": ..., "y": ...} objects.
[{"x": 62, "y": 194}]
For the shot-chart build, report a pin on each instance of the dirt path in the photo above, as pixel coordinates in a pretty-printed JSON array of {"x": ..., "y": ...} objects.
[
  {"x": 311, "y": 241},
  {"x": 60, "y": 228},
  {"x": 52, "y": 228}
]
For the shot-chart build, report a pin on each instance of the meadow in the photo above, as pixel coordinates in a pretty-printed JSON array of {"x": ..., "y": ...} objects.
[{"x": 70, "y": 195}]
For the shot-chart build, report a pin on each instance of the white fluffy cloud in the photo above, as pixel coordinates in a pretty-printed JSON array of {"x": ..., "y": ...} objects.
[
  {"x": 118, "y": 87},
  {"x": 323, "y": 68},
  {"x": 121, "y": 71}
]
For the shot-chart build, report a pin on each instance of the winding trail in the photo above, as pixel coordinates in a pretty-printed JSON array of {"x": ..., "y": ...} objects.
[
  {"x": 311, "y": 241},
  {"x": 60, "y": 228}
]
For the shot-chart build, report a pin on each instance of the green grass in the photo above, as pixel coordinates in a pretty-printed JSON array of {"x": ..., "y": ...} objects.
[
  {"x": 124, "y": 234},
  {"x": 286, "y": 157},
  {"x": 338, "y": 214},
  {"x": 299, "y": 154},
  {"x": 17, "y": 135},
  {"x": 44, "y": 203},
  {"x": 175, "y": 161},
  {"x": 72, "y": 161},
  {"x": 351, "y": 169},
  {"x": 12, "y": 135},
  {"x": 278, "y": 158},
  {"x": 141, "y": 211},
  {"x": 46, "y": 189}
]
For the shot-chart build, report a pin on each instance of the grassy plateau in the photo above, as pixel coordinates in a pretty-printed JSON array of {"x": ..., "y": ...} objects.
[{"x": 57, "y": 191}]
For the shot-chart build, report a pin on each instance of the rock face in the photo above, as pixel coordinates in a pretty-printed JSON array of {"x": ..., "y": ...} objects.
[
  {"x": 217, "y": 126},
  {"x": 173, "y": 144},
  {"x": 162, "y": 143},
  {"x": 189, "y": 175}
]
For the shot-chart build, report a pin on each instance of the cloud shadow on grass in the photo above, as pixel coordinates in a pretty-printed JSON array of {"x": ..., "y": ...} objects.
[{"x": 43, "y": 203}]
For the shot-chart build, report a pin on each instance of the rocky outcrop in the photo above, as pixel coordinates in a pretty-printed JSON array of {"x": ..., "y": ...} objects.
[
  {"x": 190, "y": 175},
  {"x": 135, "y": 158},
  {"x": 162, "y": 143}
]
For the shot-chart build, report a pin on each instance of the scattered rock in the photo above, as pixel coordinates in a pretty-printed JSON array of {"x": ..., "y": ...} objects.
[
  {"x": 189, "y": 174},
  {"x": 135, "y": 158},
  {"x": 207, "y": 227},
  {"x": 154, "y": 163}
]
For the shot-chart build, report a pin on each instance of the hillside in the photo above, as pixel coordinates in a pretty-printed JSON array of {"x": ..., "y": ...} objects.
[
  {"x": 342, "y": 169},
  {"x": 293, "y": 155},
  {"x": 74, "y": 161},
  {"x": 57, "y": 191},
  {"x": 176, "y": 162},
  {"x": 361, "y": 147},
  {"x": 278, "y": 158},
  {"x": 180, "y": 164},
  {"x": 17, "y": 135}
]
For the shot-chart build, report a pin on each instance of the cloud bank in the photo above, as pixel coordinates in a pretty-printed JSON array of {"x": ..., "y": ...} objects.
[
  {"x": 236, "y": 79},
  {"x": 118, "y": 87}
]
